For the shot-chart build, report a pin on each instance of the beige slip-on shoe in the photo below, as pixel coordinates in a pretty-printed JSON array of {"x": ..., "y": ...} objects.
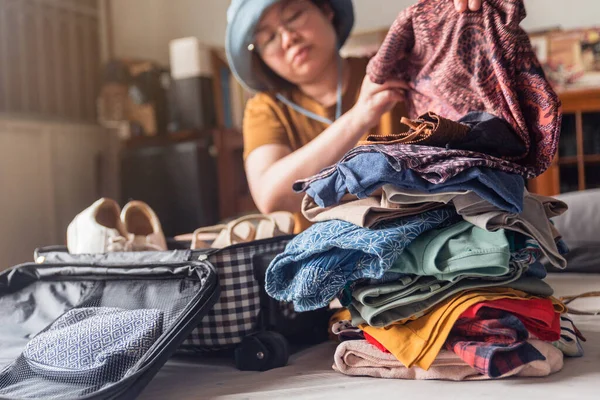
[
  {"x": 143, "y": 226},
  {"x": 97, "y": 229}
]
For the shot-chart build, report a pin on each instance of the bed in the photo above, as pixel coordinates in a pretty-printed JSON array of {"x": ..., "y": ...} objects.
[{"x": 309, "y": 374}]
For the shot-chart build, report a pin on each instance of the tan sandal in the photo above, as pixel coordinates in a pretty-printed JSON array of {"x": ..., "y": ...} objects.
[
  {"x": 285, "y": 221},
  {"x": 207, "y": 236},
  {"x": 202, "y": 237},
  {"x": 270, "y": 225},
  {"x": 244, "y": 229},
  {"x": 568, "y": 299},
  {"x": 219, "y": 236}
]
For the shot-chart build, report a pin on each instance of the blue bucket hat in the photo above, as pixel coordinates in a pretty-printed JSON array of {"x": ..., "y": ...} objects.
[{"x": 242, "y": 18}]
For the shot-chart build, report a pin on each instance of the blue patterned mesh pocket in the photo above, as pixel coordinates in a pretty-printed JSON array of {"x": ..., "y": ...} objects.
[{"x": 85, "y": 342}]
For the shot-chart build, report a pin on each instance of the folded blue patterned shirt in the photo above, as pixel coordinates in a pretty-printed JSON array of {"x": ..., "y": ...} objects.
[{"x": 318, "y": 263}]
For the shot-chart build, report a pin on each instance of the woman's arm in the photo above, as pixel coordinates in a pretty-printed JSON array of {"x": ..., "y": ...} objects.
[{"x": 272, "y": 169}]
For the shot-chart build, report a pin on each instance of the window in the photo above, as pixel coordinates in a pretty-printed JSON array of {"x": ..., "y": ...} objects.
[{"x": 49, "y": 58}]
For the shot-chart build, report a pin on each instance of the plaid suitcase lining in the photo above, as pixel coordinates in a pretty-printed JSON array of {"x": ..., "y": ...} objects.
[{"x": 235, "y": 314}]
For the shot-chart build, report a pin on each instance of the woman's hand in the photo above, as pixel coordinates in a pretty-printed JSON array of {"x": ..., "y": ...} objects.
[
  {"x": 462, "y": 5},
  {"x": 375, "y": 100}
]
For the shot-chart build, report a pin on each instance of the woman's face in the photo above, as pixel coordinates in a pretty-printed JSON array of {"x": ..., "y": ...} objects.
[{"x": 296, "y": 39}]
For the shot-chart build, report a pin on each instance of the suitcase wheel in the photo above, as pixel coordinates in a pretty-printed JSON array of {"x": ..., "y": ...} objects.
[{"x": 262, "y": 351}]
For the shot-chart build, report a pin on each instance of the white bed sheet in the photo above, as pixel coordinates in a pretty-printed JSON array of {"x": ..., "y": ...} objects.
[{"x": 309, "y": 374}]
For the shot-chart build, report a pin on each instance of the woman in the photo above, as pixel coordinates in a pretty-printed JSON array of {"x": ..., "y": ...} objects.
[{"x": 311, "y": 106}]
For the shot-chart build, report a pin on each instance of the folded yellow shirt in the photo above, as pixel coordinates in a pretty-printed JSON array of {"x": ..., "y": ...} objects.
[{"x": 419, "y": 341}]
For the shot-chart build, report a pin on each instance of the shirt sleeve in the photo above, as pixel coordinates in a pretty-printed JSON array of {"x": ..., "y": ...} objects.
[{"x": 262, "y": 125}]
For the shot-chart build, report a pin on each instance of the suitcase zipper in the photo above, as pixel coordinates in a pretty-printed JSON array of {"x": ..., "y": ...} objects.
[
  {"x": 40, "y": 258},
  {"x": 192, "y": 264},
  {"x": 204, "y": 256}
]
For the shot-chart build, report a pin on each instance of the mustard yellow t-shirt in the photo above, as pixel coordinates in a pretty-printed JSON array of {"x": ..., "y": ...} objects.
[
  {"x": 419, "y": 341},
  {"x": 269, "y": 121}
]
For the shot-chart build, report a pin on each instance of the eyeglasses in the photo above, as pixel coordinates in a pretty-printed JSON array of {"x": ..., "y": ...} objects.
[{"x": 294, "y": 16}]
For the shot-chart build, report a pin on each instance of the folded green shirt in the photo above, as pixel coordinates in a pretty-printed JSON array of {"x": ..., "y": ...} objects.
[{"x": 454, "y": 251}]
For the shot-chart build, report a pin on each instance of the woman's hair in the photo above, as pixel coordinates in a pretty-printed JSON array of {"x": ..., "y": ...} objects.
[
  {"x": 326, "y": 3},
  {"x": 269, "y": 77}
]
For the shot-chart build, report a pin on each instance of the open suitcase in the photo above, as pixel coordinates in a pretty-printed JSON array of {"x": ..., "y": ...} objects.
[{"x": 100, "y": 326}]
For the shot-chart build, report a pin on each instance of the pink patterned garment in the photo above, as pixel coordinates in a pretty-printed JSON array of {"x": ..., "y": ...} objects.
[{"x": 473, "y": 61}]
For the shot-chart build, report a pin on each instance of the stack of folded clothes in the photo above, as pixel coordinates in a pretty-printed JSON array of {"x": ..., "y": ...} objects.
[{"x": 429, "y": 238}]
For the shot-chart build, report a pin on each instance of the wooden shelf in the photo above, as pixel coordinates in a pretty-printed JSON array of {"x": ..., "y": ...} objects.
[
  {"x": 580, "y": 100},
  {"x": 577, "y": 103},
  {"x": 168, "y": 139},
  {"x": 591, "y": 158},
  {"x": 573, "y": 160}
]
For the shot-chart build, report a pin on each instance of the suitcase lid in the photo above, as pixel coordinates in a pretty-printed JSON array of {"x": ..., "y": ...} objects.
[{"x": 97, "y": 326}]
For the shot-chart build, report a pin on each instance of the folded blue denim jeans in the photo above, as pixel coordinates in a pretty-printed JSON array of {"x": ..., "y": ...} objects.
[{"x": 367, "y": 172}]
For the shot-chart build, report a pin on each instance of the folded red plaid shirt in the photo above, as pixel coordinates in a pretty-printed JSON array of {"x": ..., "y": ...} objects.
[
  {"x": 538, "y": 315},
  {"x": 494, "y": 342}
]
